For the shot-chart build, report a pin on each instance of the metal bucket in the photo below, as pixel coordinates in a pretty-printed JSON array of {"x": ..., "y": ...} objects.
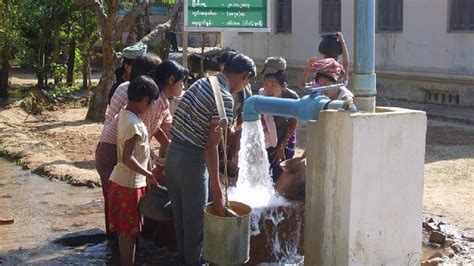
[
  {"x": 156, "y": 204},
  {"x": 227, "y": 239}
]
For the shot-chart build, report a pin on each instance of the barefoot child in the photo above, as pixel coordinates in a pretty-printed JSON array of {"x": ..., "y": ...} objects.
[{"x": 132, "y": 172}]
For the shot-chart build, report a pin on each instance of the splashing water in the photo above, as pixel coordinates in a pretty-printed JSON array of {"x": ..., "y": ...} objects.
[
  {"x": 254, "y": 185},
  {"x": 255, "y": 188}
]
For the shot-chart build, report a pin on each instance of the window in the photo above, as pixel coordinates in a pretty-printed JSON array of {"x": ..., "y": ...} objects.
[
  {"x": 389, "y": 15},
  {"x": 283, "y": 16},
  {"x": 330, "y": 15},
  {"x": 462, "y": 15}
]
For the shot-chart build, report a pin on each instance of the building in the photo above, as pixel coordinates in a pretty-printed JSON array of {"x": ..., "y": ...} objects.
[{"x": 424, "y": 48}]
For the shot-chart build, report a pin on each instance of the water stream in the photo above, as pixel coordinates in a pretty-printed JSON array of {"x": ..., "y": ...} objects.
[
  {"x": 255, "y": 188},
  {"x": 46, "y": 211}
]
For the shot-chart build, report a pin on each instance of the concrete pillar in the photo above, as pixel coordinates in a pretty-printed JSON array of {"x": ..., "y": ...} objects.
[
  {"x": 364, "y": 80},
  {"x": 364, "y": 188}
]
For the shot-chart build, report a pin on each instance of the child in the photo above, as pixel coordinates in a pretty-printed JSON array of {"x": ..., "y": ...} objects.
[
  {"x": 330, "y": 72},
  {"x": 330, "y": 52},
  {"x": 106, "y": 151},
  {"x": 276, "y": 85},
  {"x": 132, "y": 172}
]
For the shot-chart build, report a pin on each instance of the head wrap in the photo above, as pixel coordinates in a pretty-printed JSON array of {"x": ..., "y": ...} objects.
[
  {"x": 273, "y": 65},
  {"x": 131, "y": 52},
  {"x": 329, "y": 67}
]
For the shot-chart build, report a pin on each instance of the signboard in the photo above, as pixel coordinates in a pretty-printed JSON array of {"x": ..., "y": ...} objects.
[
  {"x": 153, "y": 10},
  {"x": 227, "y": 15}
]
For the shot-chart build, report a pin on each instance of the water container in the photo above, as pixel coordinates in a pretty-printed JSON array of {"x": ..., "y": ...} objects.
[
  {"x": 227, "y": 239},
  {"x": 329, "y": 46},
  {"x": 156, "y": 204}
]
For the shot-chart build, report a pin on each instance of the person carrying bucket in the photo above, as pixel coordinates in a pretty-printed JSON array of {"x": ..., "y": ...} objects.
[
  {"x": 192, "y": 157},
  {"x": 331, "y": 46}
]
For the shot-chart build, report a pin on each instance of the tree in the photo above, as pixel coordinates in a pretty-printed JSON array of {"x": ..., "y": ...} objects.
[
  {"x": 9, "y": 39},
  {"x": 111, "y": 31}
]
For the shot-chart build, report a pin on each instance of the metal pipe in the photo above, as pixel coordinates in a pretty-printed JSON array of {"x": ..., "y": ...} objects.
[
  {"x": 318, "y": 90},
  {"x": 364, "y": 79}
]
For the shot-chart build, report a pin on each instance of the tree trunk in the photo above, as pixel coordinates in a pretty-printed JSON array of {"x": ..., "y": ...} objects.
[
  {"x": 70, "y": 63},
  {"x": 98, "y": 103},
  {"x": 5, "y": 73},
  {"x": 99, "y": 100},
  {"x": 40, "y": 68},
  {"x": 6, "y": 51},
  {"x": 56, "y": 48}
]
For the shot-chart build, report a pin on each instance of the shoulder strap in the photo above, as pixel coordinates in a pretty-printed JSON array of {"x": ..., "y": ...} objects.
[{"x": 216, "y": 88}]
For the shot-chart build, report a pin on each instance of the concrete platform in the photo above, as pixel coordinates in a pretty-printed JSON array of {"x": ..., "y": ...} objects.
[{"x": 364, "y": 189}]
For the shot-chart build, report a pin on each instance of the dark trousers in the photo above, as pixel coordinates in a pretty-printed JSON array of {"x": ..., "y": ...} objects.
[
  {"x": 105, "y": 161},
  {"x": 187, "y": 182}
]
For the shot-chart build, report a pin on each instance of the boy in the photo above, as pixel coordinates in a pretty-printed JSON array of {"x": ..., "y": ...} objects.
[
  {"x": 132, "y": 172},
  {"x": 195, "y": 139}
]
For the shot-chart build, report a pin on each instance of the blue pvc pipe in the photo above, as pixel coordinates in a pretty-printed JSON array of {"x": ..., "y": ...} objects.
[
  {"x": 364, "y": 33},
  {"x": 364, "y": 78},
  {"x": 305, "y": 109}
]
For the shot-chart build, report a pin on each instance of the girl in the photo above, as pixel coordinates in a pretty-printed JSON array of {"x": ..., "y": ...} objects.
[
  {"x": 328, "y": 52},
  {"x": 132, "y": 173},
  {"x": 106, "y": 151},
  {"x": 330, "y": 72},
  {"x": 169, "y": 76},
  {"x": 276, "y": 85}
]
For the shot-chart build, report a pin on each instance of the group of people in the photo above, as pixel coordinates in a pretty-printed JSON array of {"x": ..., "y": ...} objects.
[{"x": 140, "y": 110}]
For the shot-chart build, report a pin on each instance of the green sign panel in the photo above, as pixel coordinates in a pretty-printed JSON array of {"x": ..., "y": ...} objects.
[{"x": 226, "y": 15}]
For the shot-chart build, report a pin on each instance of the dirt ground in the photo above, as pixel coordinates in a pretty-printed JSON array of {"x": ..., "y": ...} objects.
[{"x": 28, "y": 77}]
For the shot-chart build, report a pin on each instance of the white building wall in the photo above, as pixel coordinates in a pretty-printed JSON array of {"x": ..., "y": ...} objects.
[{"x": 424, "y": 56}]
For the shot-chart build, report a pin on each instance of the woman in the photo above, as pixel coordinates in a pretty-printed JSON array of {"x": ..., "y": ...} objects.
[{"x": 276, "y": 85}]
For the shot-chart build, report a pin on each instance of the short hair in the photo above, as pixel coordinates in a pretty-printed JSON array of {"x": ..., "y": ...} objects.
[
  {"x": 141, "y": 87},
  {"x": 240, "y": 64},
  {"x": 226, "y": 56},
  {"x": 167, "y": 69},
  {"x": 280, "y": 76},
  {"x": 144, "y": 65}
]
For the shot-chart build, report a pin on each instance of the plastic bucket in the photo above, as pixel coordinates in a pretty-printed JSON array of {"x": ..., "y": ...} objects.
[{"x": 227, "y": 239}]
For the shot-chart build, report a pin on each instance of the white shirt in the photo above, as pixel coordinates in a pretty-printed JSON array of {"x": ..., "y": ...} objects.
[
  {"x": 345, "y": 94},
  {"x": 129, "y": 125}
]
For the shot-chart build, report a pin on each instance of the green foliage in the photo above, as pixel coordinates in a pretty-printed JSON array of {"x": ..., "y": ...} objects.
[
  {"x": 78, "y": 62},
  {"x": 10, "y": 24},
  {"x": 25, "y": 57},
  {"x": 59, "y": 71},
  {"x": 61, "y": 92}
]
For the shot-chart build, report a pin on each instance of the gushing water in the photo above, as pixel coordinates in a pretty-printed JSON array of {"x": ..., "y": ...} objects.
[
  {"x": 255, "y": 188},
  {"x": 254, "y": 185}
]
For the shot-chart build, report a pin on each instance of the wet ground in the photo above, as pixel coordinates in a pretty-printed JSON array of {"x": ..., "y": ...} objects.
[{"x": 46, "y": 212}]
